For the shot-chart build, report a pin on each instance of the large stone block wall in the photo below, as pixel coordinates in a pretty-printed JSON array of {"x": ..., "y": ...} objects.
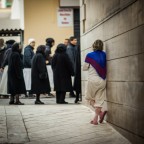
[{"x": 120, "y": 24}]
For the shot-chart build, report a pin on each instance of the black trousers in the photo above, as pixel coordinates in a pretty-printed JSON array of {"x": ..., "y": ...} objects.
[{"x": 60, "y": 96}]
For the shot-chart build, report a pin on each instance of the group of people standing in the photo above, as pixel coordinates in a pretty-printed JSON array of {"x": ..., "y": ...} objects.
[
  {"x": 65, "y": 64},
  {"x": 28, "y": 72}
]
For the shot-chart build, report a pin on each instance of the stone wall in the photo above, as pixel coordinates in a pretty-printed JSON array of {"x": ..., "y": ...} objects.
[{"x": 120, "y": 24}]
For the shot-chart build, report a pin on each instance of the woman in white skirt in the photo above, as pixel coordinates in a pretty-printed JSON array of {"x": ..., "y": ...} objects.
[
  {"x": 4, "y": 68},
  {"x": 95, "y": 64}
]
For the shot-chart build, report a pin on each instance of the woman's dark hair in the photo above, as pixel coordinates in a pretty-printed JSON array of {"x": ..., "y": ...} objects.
[
  {"x": 97, "y": 45},
  {"x": 9, "y": 43},
  {"x": 41, "y": 49},
  {"x": 60, "y": 48},
  {"x": 49, "y": 41},
  {"x": 16, "y": 47}
]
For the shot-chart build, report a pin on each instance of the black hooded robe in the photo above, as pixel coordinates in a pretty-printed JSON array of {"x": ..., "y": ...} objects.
[
  {"x": 40, "y": 81},
  {"x": 16, "y": 84},
  {"x": 62, "y": 70}
]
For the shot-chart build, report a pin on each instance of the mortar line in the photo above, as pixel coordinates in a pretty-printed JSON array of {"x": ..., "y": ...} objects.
[
  {"x": 6, "y": 123},
  {"x": 24, "y": 124}
]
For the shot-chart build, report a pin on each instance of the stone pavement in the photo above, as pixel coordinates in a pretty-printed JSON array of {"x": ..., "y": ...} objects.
[{"x": 54, "y": 124}]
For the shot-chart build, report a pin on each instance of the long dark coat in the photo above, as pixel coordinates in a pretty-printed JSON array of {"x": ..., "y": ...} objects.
[
  {"x": 72, "y": 53},
  {"x": 62, "y": 70},
  {"x": 16, "y": 84},
  {"x": 77, "y": 78},
  {"x": 40, "y": 80}
]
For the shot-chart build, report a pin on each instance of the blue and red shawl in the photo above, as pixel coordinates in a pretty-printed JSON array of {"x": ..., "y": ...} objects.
[{"x": 98, "y": 60}]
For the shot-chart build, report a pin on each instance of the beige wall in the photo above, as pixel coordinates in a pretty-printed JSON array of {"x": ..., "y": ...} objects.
[
  {"x": 40, "y": 18},
  {"x": 120, "y": 24}
]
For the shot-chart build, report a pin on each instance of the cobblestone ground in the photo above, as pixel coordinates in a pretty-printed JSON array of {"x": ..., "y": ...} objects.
[{"x": 54, "y": 124}]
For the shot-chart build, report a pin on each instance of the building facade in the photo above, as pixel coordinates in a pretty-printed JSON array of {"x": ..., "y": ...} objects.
[
  {"x": 120, "y": 24},
  {"x": 48, "y": 18}
]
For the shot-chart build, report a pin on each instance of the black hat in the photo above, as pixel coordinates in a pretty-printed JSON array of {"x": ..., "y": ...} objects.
[
  {"x": 11, "y": 42},
  {"x": 61, "y": 48}
]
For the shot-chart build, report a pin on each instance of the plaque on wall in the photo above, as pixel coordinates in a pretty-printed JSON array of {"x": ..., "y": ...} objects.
[{"x": 65, "y": 17}]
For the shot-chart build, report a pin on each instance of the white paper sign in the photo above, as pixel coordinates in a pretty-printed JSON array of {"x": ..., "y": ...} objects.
[{"x": 65, "y": 17}]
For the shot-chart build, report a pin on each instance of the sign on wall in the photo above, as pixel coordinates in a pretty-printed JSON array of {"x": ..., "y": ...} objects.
[{"x": 65, "y": 17}]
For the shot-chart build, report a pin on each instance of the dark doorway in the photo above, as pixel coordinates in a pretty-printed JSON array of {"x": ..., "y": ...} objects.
[{"x": 77, "y": 24}]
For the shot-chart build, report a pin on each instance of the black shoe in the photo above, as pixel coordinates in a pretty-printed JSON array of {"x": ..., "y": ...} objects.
[
  {"x": 72, "y": 95},
  {"x": 63, "y": 102},
  {"x": 76, "y": 100},
  {"x": 11, "y": 103},
  {"x": 18, "y": 103},
  {"x": 39, "y": 102}
]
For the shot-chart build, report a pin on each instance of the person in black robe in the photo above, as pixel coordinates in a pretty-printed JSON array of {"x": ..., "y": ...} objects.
[
  {"x": 4, "y": 68},
  {"x": 40, "y": 81},
  {"x": 16, "y": 84},
  {"x": 77, "y": 78},
  {"x": 62, "y": 70}
]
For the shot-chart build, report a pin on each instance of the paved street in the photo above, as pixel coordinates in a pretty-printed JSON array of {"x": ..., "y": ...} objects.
[{"x": 51, "y": 123}]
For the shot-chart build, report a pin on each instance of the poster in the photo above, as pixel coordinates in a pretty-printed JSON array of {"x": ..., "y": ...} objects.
[{"x": 65, "y": 17}]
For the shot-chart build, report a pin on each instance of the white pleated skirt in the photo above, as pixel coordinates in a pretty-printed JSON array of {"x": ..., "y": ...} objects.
[
  {"x": 3, "y": 83},
  {"x": 27, "y": 78},
  {"x": 50, "y": 74}
]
